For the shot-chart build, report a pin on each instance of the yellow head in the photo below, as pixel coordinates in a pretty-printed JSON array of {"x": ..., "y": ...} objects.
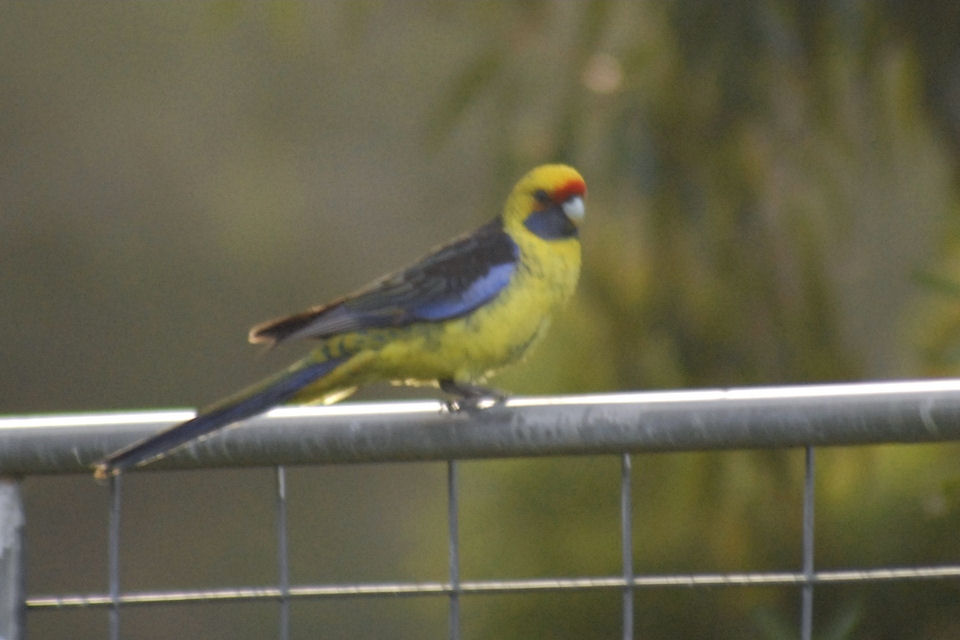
[{"x": 548, "y": 202}]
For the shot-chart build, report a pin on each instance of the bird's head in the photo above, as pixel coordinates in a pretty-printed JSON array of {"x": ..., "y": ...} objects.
[{"x": 548, "y": 202}]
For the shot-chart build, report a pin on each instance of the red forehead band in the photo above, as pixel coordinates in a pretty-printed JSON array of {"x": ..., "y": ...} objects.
[{"x": 570, "y": 188}]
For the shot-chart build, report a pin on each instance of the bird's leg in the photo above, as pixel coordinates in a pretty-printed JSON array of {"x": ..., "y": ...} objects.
[{"x": 469, "y": 395}]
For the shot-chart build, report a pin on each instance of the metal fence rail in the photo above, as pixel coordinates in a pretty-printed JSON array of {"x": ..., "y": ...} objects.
[{"x": 766, "y": 417}]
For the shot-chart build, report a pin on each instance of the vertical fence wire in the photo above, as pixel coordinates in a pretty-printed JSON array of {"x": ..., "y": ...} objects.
[
  {"x": 283, "y": 558},
  {"x": 12, "y": 561},
  {"x": 626, "y": 541},
  {"x": 454, "y": 546},
  {"x": 113, "y": 555},
  {"x": 806, "y": 614}
]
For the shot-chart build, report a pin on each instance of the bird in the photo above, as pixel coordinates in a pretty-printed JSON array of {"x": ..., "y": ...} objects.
[{"x": 451, "y": 319}]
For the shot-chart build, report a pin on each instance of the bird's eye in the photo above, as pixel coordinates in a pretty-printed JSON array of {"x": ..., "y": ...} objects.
[{"x": 541, "y": 196}]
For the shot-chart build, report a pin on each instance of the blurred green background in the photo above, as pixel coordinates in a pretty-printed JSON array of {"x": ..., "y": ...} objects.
[{"x": 773, "y": 199}]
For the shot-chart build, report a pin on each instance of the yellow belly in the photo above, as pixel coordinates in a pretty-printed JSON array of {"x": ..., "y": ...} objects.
[{"x": 466, "y": 349}]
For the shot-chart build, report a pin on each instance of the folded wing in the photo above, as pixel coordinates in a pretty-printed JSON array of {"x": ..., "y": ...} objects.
[{"x": 448, "y": 283}]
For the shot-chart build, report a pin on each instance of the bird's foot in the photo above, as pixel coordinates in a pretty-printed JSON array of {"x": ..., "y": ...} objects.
[{"x": 470, "y": 397}]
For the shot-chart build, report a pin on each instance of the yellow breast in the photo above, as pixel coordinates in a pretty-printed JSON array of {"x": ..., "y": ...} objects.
[{"x": 470, "y": 348}]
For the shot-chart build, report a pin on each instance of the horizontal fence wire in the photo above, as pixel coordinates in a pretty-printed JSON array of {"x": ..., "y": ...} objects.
[
  {"x": 624, "y": 423},
  {"x": 537, "y": 585}
]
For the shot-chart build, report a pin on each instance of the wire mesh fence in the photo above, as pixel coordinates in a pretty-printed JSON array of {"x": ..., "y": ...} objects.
[{"x": 803, "y": 417}]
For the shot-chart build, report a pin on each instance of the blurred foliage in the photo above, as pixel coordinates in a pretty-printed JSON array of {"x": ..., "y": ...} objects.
[
  {"x": 768, "y": 180},
  {"x": 773, "y": 199}
]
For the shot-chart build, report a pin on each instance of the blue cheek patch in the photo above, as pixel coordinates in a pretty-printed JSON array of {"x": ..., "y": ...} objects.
[
  {"x": 550, "y": 224},
  {"x": 480, "y": 291}
]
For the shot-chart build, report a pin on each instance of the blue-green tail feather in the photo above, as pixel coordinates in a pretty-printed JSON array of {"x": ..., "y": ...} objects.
[{"x": 245, "y": 404}]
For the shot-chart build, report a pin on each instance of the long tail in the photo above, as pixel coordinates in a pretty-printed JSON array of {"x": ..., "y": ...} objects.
[{"x": 249, "y": 402}]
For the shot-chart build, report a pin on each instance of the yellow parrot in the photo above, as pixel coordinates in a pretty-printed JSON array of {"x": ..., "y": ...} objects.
[{"x": 451, "y": 319}]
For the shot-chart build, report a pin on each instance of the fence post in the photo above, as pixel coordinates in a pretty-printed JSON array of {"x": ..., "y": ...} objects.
[{"x": 11, "y": 560}]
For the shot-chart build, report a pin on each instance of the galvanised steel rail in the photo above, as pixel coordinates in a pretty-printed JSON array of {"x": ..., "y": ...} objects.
[{"x": 744, "y": 418}]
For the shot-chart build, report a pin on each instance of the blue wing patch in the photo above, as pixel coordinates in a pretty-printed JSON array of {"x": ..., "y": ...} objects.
[{"x": 481, "y": 290}]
